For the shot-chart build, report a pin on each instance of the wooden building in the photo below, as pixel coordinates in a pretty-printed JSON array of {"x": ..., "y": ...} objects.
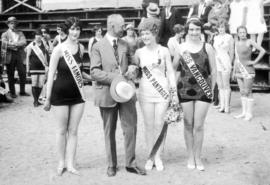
[{"x": 32, "y": 13}]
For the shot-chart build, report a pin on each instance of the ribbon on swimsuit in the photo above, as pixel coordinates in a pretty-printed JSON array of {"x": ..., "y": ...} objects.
[
  {"x": 42, "y": 58},
  {"x": 197, "y": 74},
  {"x": 74, "y": 69},
  {"x": 241, "y": 67}
]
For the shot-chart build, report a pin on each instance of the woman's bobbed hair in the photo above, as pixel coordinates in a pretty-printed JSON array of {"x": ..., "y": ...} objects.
[
  {"x": 72, "y": 21},
  {"x": 151, "y": 24},
  {"x": 196, "y": 21}
]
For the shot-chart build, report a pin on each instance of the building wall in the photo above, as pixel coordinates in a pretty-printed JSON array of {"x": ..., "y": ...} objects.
[{"x": 91, "y": 4}]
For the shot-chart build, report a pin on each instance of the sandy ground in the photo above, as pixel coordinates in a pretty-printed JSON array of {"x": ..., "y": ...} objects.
[{"x": 235, "y": 152}]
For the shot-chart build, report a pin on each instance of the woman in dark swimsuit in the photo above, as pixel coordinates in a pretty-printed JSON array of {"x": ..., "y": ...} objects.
[
  {"x": 64, "y": 94},
  {"x": 37, "y": 57},
  {"x": 62, "y": 36},
  {"x": 194, "y": 100}
]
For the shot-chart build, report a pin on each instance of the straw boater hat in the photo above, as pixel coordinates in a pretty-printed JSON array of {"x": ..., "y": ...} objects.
[
  {"x": 122, "y": 90},
  {"x": 12, "y": 19},
  {"x": 130, "y": 26},
  {"x": 153, "y": 9}
]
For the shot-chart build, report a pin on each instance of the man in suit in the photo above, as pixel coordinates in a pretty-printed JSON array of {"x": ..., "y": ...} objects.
[
  {"x": 201, "y": 10},
  {"x": 169, "y": 17},
  {"x": 110, "y": 58},
  {"x": 13, "y": 42}
]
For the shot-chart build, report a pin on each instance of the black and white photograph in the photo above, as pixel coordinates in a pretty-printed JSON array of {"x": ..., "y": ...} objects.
[{"x": 135, "y": 92}]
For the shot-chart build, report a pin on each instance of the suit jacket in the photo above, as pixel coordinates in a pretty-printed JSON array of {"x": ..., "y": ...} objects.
[
  {"x": 205, "y": 13},
  {"x": 166, "y": 28},
  {"x": 6, "y": 48},
  {"x": 104, "y": 68}
]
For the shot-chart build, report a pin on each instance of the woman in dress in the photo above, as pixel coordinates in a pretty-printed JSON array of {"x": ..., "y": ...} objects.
[
  {"x": 98, "y": 35},
  {"x": 224, "y": 47},
  {"x": 66, "y": 94},
  {"x": 131, "y": 39},
  {"x": 62, "y": 36},
  {"x": 244, "y": 70},
  {"x": 174, "y": 42},
  {"x": 237, "y": 16},
  {"x": 195, "y": 61},
  {"x": 37, "y": 64},
  {"x": 255, "y": 22},
  {"x": 157, "y": 77}
]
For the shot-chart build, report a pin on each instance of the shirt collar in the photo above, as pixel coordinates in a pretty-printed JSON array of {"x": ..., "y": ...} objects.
[
  {"x": 12, "y": 31},
  {"x": 111, "y": 38}
]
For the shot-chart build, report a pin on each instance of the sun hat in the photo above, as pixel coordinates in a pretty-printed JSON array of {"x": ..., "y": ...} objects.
[
  {"x": 11, "y": 19},
  {"x": 122, "y": 90},
  {"x": 153, "y": 9},
  {"x": 130, "y": 26}
]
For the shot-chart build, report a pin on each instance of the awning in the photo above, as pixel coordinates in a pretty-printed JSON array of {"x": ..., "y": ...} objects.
[{"x": 48, "y": 5}]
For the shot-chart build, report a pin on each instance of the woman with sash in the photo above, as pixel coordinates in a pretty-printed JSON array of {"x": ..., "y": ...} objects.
[
  {"x": 37, "y": 64},
  {"x": 195, "y": 61},
  {"x": 244, "y": 70},
  {"x": 66, "y": 94},
  {"x": 224, "y": 47},
  {"x": 157, "y": 77}
]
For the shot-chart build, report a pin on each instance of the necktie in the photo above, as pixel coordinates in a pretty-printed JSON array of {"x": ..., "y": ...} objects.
[{"x": 115, "y": 50}]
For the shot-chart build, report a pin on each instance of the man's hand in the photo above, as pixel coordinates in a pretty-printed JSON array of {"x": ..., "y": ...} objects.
[{"x": 132, "y": 72}]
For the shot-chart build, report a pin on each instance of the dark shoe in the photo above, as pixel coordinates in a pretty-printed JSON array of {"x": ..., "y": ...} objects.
[
  {"x": 136, "y": 170},
  {"x": 35, "y": 104},
  {"x": 13, "y": 95},
  {"x": 8, "y": 98},
  {"x": 111, "y": 171},
  {"x": 24, "y": 94}
]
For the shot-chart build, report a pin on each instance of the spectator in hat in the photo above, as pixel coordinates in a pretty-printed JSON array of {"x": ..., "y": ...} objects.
[
  {"x": 145, "y": 4},
  {"x": 131, "y": 38},
  {"x": 13, "y": 42},
  {"x": 152, "y": 10}
]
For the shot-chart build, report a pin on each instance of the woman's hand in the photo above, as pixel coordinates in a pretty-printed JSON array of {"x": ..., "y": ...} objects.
[
  {"x": 47, "y": 105},
  {"x": 250, "y": 63}
]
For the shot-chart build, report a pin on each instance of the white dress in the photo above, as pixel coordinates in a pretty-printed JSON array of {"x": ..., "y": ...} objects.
[
  {"x": 173, "y": 45},
  {"x": 254, "y": 23},
  {"x": 236, "y": 17},
  {"x": 222, "y": 47},
  {"x": 147, "y": 92}
]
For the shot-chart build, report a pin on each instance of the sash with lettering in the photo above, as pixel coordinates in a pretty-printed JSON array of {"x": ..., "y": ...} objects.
[
  {"x": 163, "y": 92},
  {"x": 197, "y": 74},
  {"x": 42, "y": 58},
  {"x": 74, "y": 69},
  {"x": 241, "y": 67}
]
